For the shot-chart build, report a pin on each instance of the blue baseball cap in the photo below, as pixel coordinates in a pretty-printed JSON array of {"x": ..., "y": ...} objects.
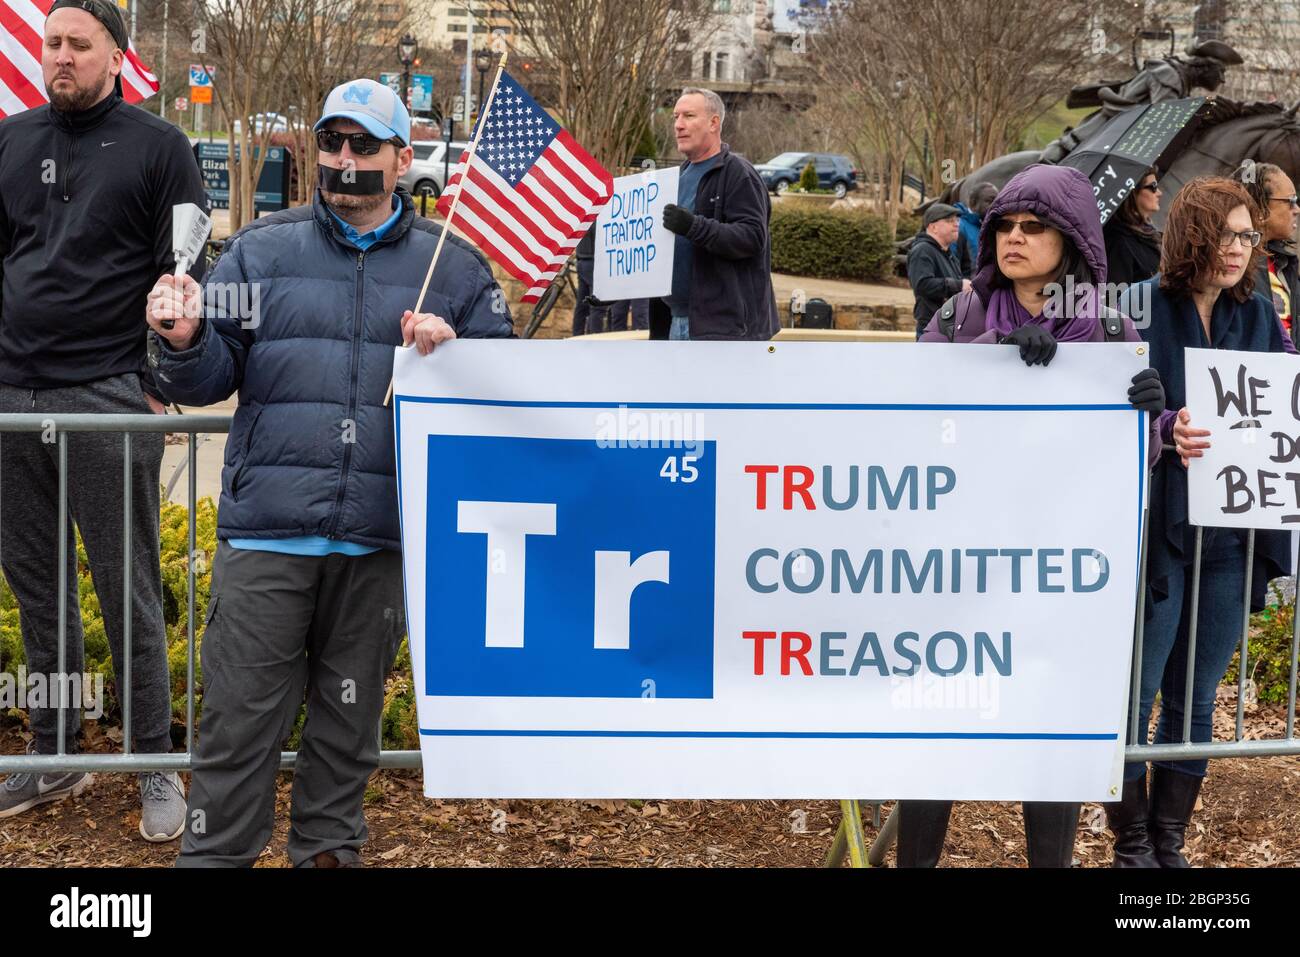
[{"x": 375, "y": 106}]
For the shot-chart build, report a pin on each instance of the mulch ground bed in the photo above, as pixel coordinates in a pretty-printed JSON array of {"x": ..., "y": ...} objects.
[{"x": 1249, "y": 816}]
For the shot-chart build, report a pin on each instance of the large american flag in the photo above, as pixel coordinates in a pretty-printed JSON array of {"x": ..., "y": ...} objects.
[
  {"x": 531, "y": 193},
  {"x": 22, "y": 87}
]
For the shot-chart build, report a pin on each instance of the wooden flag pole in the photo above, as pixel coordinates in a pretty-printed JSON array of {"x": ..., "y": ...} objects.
[{"x": 455, "y": 200}]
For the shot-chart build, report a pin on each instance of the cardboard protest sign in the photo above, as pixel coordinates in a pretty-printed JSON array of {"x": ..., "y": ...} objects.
[
  {"x": 634, "y": 253},
  {"x": 1249, "y": 477}
]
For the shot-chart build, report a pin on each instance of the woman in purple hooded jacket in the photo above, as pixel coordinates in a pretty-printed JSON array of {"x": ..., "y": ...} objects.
[{"x": 1042, "y": 229}]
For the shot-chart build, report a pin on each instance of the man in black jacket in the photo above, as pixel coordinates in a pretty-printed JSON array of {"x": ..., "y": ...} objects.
[
  {"x": 722, "y": 261},
  {"x": 931, "y": 269},
  {"x": 87, "y": 186}
]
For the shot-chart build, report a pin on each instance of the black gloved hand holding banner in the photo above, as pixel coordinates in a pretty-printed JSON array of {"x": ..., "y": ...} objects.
[
  {"x": 1037, "y": 345},
  {"x": 1147, "y": 393}
]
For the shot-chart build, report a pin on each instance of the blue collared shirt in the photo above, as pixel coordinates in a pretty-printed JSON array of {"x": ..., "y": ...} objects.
[{"x": 364, "y": 241}]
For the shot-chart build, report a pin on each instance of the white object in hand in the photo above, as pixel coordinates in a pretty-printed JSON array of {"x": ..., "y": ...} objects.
[{"x": 190, "y": 229}]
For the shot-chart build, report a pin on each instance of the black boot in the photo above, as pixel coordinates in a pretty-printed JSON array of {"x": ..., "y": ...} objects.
[
  {"x": 922, "y": 826},
  {"x": 1049, "y": 832},
  {"x": 1127, "y": 818},
  {"x": 1173, "y": 796}
]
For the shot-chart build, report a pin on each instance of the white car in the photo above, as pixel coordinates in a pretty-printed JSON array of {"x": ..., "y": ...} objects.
[
  {"x": 430, "y": 166},
  {"x": 278, "y": 123}
]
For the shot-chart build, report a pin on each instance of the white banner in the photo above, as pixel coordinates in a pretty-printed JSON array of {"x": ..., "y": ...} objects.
[
  {"x": 634, "y": 253},
  {"x": 770, "y": 570},
  {"x": 1249, "y": 477}
]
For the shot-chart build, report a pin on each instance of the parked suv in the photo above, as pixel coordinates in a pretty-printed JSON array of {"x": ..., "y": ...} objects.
[
  {"x": 834, "y": 172},
  {"x": 430, "y": 165}
]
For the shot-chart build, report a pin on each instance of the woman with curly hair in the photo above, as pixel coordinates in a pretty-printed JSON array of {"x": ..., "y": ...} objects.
[{"x": 1202, "y": 298}]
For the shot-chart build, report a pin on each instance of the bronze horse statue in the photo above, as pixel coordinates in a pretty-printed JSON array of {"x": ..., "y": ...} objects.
[{"x": 1232, "y": 133}]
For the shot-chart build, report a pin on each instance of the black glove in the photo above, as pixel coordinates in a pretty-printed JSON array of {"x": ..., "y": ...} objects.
[
  {"x": 1037, "y": 346},
  {"x": 595, "y": 303},
  {"x": 678, "y": 219},
  {"x": 1147, "y": 393}
]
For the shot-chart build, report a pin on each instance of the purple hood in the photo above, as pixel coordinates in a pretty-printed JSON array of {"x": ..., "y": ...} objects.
[{"x": 1059, "y": 195}]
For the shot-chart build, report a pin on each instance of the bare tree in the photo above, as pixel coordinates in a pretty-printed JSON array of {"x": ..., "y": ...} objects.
[
  {"x": 765, "y": 127},
  {"x": 336, "y": 41},
  {"x": 248, "y": 43},
  {"x": 604, "y": 64},
  {"x": 1267, "y": 35},
  {"x": 865, "y": 86},
  {"x": 959, "y": 80}
]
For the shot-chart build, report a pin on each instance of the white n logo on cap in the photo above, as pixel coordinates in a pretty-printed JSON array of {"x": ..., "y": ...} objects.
[{"x": 356, "y": 94}]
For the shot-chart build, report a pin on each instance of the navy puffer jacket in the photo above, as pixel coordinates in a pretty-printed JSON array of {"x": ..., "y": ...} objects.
[{"x": 310, "y": 450}]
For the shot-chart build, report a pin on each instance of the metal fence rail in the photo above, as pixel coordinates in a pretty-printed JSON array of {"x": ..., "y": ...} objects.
[{"x": 192, "y": 425}]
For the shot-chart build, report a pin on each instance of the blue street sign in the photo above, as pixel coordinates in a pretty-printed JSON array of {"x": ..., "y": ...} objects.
[{"x": 421, "y": 92}]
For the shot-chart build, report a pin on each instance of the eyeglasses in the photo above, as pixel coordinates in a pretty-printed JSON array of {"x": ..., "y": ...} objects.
[
  {"x": 363, "y": 144},
  {"x": 1292, "y": 201},
  {"x": 1250, "y": 238},
  {"x": 1030, "y": 227},
  {"x": 1153, "y": 187}
]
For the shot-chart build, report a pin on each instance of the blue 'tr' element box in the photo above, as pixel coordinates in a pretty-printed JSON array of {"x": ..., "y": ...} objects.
[{"x": 606, "y": 498}]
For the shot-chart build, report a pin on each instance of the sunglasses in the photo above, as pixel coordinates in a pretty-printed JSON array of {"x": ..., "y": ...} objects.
[
  {"x": 1292, "y": 201},
  {"x": 1153, "y": 187},
  {"x": 1249, "y": 239},
  {"x": 1030, "y": 227},
  {"x": 363, "y": 144}
]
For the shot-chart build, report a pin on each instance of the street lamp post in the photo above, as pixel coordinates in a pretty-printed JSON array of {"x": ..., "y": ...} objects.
[
  {"x": 482, "y": 63},
  {"x": 406, "y": 52}
]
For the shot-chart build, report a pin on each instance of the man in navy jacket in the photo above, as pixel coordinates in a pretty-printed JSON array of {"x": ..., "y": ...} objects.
[
  {"x": 722, "y": 262},
  {"x": 300, "y": 315}
]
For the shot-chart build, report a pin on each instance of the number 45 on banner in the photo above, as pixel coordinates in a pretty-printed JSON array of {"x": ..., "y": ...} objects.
[{"x": 688, "y": 472}]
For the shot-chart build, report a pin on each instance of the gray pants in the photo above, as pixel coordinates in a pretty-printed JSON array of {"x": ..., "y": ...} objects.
[
  {"x": 29, "y": 549},
  {"x": 279, "y": 624}
]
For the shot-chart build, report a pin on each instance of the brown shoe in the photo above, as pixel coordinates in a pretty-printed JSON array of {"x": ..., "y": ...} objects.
[{"x": 329, "y": 859}]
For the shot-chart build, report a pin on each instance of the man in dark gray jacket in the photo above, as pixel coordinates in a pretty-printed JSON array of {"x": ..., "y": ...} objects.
[
  {"x": 931, "y": 269},
  {"x": 301, "y": 315}
]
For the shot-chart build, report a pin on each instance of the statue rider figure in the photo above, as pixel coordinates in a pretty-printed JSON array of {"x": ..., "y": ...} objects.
[{"x": 1170, "y": 78}]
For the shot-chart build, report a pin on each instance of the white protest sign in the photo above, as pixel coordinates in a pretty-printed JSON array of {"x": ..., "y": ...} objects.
[
  {"x": 1249, "y": 477},
  {"x": 634, "y": 253},
  {"x": 636, "y": 574}
]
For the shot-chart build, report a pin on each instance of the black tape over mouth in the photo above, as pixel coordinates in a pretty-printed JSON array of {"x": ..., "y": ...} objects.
[{"x": 354, "y": 182}]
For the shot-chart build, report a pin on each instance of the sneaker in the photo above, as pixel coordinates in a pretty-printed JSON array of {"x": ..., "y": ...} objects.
[
  {"x": 21, "y": 792},
  {"x": 162, "y": 806}
]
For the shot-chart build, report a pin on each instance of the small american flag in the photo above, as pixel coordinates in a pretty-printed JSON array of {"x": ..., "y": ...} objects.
[
  {"x": 22, "y": 87},
  {"x": 531, "y": 193}
]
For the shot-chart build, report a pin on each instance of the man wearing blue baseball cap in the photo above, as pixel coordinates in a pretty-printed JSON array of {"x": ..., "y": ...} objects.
[{"x": 307, "y": 583}]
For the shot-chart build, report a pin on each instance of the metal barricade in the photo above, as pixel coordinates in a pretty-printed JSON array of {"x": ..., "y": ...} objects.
[{"x": 191, "y": 425}]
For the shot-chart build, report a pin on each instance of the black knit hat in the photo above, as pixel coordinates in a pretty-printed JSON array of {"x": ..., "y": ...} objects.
[{"x": 107, "y": 14}]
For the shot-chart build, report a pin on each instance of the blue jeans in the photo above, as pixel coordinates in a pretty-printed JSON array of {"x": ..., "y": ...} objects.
[
  {"x": 1164, "y": 646},
  {"x": 680, "y": 329}
]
